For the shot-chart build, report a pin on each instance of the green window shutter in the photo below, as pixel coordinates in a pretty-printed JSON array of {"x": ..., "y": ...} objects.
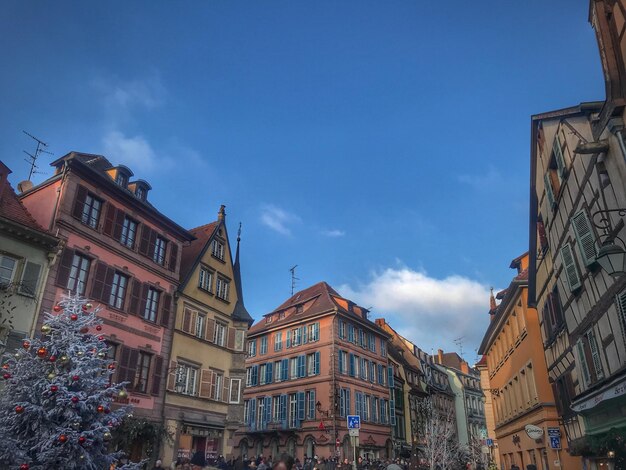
[
  {"x": 585, "y": 237},
  {"x": 570, "y": 268},
  {"x": 582, "y": 360},
  {"x": 595, "y": 354},
  {"x": 558, "y": 156},
  {"x": 620, "y": 301},
  {"x": 549, "y": 192}
]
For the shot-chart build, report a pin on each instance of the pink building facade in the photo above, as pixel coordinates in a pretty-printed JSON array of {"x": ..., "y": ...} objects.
[{"x": 124, "y": 255}]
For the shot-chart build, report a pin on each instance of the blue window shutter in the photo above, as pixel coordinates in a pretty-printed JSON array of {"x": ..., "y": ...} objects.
[
  {"x": 267, "y": 411},
  {"x": 380, "y": 374},
  {"x": 372, "y": 376},
  {"x": 288, "y": 338},
  {"x": 341, "y": 367},
  {"x": 392, "y": 412},
  {"x": 302, "y": 366},
  {"x": 348, "y": 401},
  {"x": 351, "y": 333},
  {"x": 269, "y": 373},
  {"x": 300, "y": 406},
  {"x": 351, "y": 365},
  {"x": 390, "y": 376},
  {"x": 316, "y": 331},
  {"x": 317, "y": 363},
  {"x": 303, "y": 334},
  {"x": 255, "y": 375},
  {"x": 252, "y": 408},
  {"x": 283, "y": 411}
]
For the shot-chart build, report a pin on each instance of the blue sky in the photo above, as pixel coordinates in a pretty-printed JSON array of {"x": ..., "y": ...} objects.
[{"x": 380, "y": 146}]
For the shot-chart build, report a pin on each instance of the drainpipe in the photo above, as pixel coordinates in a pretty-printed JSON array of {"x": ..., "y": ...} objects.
[{"x": 334, "y": 386}]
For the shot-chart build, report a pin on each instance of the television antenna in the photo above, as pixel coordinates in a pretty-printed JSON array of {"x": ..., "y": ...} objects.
[
  {"x": 32, "y": 157},
  {"x": 459, "y": 344},
  {"x": 293, "y": 278}
]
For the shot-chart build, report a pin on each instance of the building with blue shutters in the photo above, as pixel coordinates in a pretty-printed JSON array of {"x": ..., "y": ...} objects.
[{"x": 310, "y": 363}]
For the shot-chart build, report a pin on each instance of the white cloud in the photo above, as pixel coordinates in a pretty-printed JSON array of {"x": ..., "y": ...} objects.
[
  {"x": 333, "y": 233},
  {"x": 122, "y": 96},
  {"x": 134, "y": 152},
  {"x": 483, "y": 181},
  {"x": 430, "y": 312},
  {"x": 278, "y": 219}
]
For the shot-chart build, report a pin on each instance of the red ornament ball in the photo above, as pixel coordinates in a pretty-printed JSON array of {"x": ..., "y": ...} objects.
[
  {"x": 84, "y": 307},
  {"x": 101, "y": 338},
  {"x": 111, "y": 366},
  {"x": 5, "y": 366},
  {"x": 84, "y": 330},
  {"x": 24, "y": 466},
  {"x": 74, "y": 400},
  {"x": 57, "y": 308},
  {"x": 52, "y": 358},
  {"x": 54, "y": 388},
  {"x": 73, "y": 317},
  {"x": 75, "y": 378},
  {"x": 6, "y": 376},
  {"x": 26, "y": 344},
  {"x": 99, "y": 328},
  {"x": 62, "y": 438},
  {"x": 82, "y": 440},
  {"x": 100, "y": 409},
  {"x": 41, "y": 352},
  {"x": 19, "y": 409}
]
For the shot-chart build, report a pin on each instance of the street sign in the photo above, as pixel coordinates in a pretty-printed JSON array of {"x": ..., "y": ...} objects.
[
  {"x": 556, "y": 432},
  {"x": 354, "y": 422},
  {"x": 555, "y": 442},
  {"x": 354, "y": 432},
  {"x": 489, "y": 443}
]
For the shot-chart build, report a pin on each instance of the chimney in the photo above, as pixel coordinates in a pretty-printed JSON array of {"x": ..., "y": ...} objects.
[
  {"x": 464, "y": 367},
  {"x": 380, "y": 322},
  {"x": 24, "y": 186},
  {"x": 440, "y": 356},
  {"x": 221, "y": 215}
]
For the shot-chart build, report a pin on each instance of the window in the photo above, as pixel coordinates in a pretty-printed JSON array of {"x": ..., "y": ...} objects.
[
  {"x": 118, "y": 291},
  {"x": 362, "y": 338},
  {"x": 140, "y": 193},
  {"x": 383, "y": 348},
  {"x": 366, "y": 408},
  {"x": 217, "y": 386},
  {"x": 585, "y": 237},
  {"x": 277, "y": 371},
  {"x": 158, "y": 255},
  {"x": 205, "y": 281},
  {"x": 371, "y": 342},
  {"x": 7, "y": 270},
  {"x": 293, "y": 367},
  {"x": 235, "y": 391},
  {"x": 357, "y": 364},
  {"x": 200, "y": 325},
  {"x": 152, "y": 305},
  {"x": 91, "y": 211},
  {"x": 263, "y": 348},
  {"x": 187, "y": 379},
  {"x": 293, "y": 410},
  {"x": 240, "y": 336},
  {"x": 310, "y": 404},
  {"x": 252, "y": 348},
  {"x": 217, "y": 249},
  {"x": 295, "y": 337},
  {"x": 262, "y": 374},
  {"x": 248, "y": 376},
  {"x": 351, "y": 333},
  {"x": 121, "y": 179},
  {"x": 78, "y": 274},
  {"x": 143, "y": 372},
  {"x": 343, "y": 362},
  {"x": 129, "y": 230},
  {"x": 344, "y": 402},
  {"x": 314, "y": 332},
  {"x": 310, "y": 364},
  {"x": 221, "y": 288},
  {"x": 219, "y": 334},
  {"x": 372, "y": 373},
  {"x": 278, "y": 341},
  {"x": 30, "y": 279},
  {"x": 381, "y": 374},
  {"x": 342, "y": 329},
  {"x": 364, "y": 368},
  {"x": 552, "y": 314}
]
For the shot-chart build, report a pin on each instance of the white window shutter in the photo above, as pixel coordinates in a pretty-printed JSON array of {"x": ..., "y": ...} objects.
[
  {"x": 549, "y": 191},
  {"x": 569, "y": 268},
  {"x": 595, "y": 354},
  {"x": 558, "y": 156},
  {"x": 582, "y": 361},
  {"x": 585, "y": 237}
]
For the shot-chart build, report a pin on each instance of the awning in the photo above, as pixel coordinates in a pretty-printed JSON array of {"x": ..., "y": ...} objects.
[{"x": 614, "y": 389}]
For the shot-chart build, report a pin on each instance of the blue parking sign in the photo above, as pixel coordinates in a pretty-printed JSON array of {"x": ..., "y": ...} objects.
[
  {"x": 354, "y": 422},
  {"x": 555, "y": 442}
]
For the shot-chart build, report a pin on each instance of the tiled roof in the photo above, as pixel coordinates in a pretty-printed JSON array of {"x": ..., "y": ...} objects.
[
  {"x": 194, "y": 249},
  {"x": 12, "y": 209},
  {"x": 523, "y": 276},
  {"x": 314, "y": 300}
]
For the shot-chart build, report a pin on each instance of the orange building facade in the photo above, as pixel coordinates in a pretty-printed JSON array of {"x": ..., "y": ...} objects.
[
  {"x": 523, "y": 404},
  {"x": 311, "y": 362}
]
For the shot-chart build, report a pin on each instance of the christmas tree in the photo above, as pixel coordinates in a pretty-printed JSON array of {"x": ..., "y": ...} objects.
[{"x": 56, "y": 405}]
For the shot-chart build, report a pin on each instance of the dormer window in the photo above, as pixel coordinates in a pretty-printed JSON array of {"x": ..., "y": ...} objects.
[
  {"x": 121, "y": 174},
  {"x": 121, "y": 179},
  {"x": 140, "y": 193},
  {"x": 140, "y": 188}
]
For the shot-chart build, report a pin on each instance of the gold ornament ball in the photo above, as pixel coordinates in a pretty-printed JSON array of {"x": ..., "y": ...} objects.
[
  {"x": 51, "y": 376},
  {"x": 107, "y": 436},
  {"x": 88, "y": 305},
  {"x": 102, "y": 355},
  {"x": 80, "y": 353},
  {"x": 122, "y": 394},
  {"x": 64, "y": 359},
  {"x": 45, "y": 329}
]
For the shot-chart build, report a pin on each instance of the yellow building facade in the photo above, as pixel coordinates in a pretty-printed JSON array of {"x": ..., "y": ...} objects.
[{"x": 206, "y": 374}]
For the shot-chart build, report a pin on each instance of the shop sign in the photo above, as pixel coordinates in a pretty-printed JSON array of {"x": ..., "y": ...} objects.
[
  {"x": 613, "y": 391},
  {"x": 202, "y": 432},
  {"x": 534, "y": 432}
]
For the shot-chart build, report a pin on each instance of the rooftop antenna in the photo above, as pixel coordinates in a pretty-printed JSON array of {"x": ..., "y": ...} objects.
[
  {"x": 459, "y": 343},
  {"x": 32, "y": 157},
  {"x": 293, "y": 278}
]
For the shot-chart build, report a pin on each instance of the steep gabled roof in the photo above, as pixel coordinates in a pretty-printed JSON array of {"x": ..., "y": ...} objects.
[
  {"x": 11, "y": 208},
  {"x": 192, "y": 253}
]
